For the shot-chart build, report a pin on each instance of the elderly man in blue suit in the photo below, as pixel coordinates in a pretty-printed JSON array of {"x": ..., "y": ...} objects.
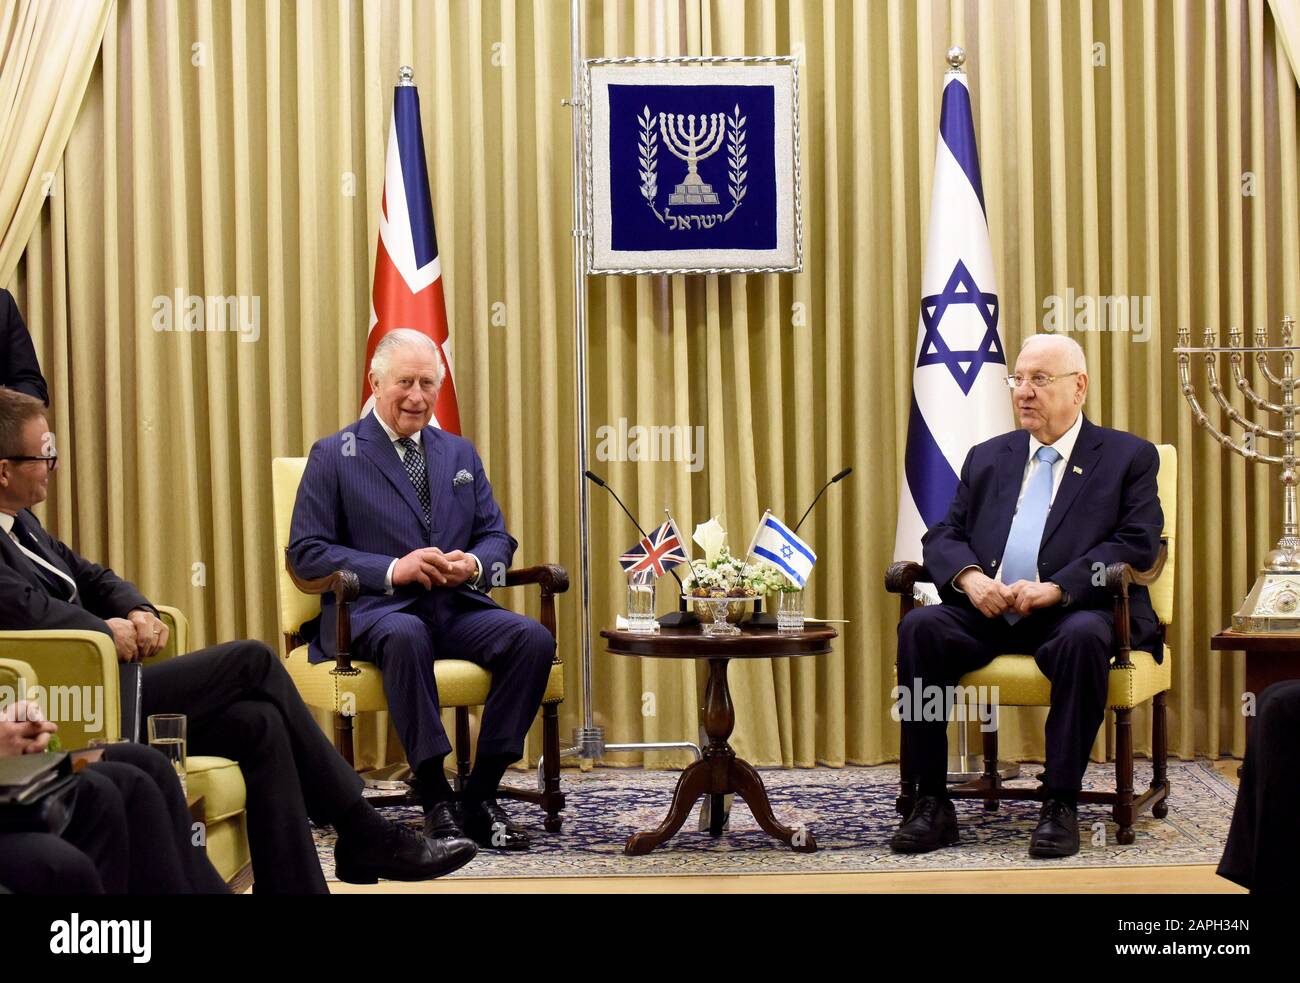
[
  {"x": 1037, "y": 514},
  {"x": 406, "y": 506}
]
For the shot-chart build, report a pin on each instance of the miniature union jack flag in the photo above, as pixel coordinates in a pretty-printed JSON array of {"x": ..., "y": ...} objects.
[{"x": 657, "y": 553}]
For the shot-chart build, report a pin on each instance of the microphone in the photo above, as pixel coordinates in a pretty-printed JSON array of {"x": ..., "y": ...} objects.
[
  {"x": 667, "y": 620},
  {"x": 839, "y": 477}
]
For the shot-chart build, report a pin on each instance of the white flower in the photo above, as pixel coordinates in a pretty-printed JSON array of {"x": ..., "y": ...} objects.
[{"x": 711, "y": 537}]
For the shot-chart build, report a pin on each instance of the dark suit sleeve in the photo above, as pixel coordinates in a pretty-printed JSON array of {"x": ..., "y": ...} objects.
[
  {"x": 489, "y": 540},
  {"x": 946, "y": 546},
  {"x": 18, "y": 366},
  {"x": 102, "y": 591},
  {"x": 1135, "y": 540},
  {"x": 26, "y": 607},
  {"x": 314, "y": 534}
]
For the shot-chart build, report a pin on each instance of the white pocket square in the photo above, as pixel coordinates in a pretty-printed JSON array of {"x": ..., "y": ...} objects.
[{"x": 463, "y": 477}]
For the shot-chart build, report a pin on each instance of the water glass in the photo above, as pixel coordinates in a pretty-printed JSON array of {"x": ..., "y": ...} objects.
[
  {"x": 789, "y": 610},
  {"x": 167, "y": 735},
  {"x": 641, "y": 606}
]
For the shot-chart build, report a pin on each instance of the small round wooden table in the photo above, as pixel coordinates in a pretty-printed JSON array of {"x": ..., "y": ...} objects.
[{"x": 720, "y": 772}]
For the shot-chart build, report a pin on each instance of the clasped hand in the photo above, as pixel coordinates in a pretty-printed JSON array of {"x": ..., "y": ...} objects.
[
  {"x": 994, "y": 599},
  {"x": 137, "y": 636},
  {"x": 24, "y": 729},
  {"x": 431, "y": 567}
]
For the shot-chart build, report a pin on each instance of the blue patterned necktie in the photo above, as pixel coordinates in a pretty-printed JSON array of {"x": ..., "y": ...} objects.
[
  {"x": 1020, "y": 558},
  {"x": 414, "y": 464}
]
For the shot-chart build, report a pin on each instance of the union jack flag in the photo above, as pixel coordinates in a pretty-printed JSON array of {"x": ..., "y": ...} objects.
[
  {"x": 408, "y": 274},
  {"x": 657, "y": 553}
]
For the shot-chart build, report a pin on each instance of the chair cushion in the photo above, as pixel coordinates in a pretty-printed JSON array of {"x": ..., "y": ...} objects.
[
  {"x": 460, "y": 684},
  {"x": 1021, "y": 684},
  {"x": 221, "y": 784}
]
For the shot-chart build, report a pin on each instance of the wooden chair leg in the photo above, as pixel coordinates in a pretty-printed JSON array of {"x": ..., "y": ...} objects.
[
  {"x": 1159, "y": 753},
  {"x": 1124, "y": 775},
  {"x": 552, "y": 797},
  {"x": 991, "y": 764},
  {"x": 343, "y": 736},
  {"x": 462, "y": 747}
]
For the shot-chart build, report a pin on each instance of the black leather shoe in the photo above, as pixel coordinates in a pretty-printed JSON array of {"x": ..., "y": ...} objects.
[
  {"x": 442, "y": 821},
  {"x": 932, "y": 824},
  {"x": 490, "y": 827},
  {"x": 400, "y": 855},
  {"x": 1057, "y": 834}
]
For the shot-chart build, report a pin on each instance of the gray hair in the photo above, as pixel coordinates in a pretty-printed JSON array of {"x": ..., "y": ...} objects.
[
  {"x": 1063, "y": 345},
  {"x": 405, "y": 338}
]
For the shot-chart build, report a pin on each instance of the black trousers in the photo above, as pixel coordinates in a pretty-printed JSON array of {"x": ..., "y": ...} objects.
[
  {"x": 1263, "y": 851},
  {"x": 241, "y": 704},
  {"x": 129, "y": 833},
  {"x": 517, "y": 650},
  {"x": 938, "y": 644}
]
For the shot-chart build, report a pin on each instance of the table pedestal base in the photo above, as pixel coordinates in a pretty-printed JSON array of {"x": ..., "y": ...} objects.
[{"x": 720, "y": 773}]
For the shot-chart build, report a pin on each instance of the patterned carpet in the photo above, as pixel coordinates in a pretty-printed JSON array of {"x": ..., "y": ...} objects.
[{"x": 851, "y": 813}]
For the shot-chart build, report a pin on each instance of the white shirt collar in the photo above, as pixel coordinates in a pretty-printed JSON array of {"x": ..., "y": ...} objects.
[
  {"x": 7, "y": 522},
  {"x": 393, "y": 435},
  {"x": 1064, "y": 444}
]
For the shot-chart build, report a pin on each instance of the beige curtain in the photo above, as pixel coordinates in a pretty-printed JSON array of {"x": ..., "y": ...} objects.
[
  {"x": 1136, "y": 149},
  {"x": 47, "y": 51}
]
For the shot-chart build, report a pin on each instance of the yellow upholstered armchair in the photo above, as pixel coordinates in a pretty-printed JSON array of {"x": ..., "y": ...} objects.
[
  {"x": 78, "y": 670},
  {"x": 345, "y": 689},
  {"x": 1135, "y": 677}
]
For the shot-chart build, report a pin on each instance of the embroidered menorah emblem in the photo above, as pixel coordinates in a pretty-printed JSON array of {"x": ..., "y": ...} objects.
[{"x": 692, "y": 142}]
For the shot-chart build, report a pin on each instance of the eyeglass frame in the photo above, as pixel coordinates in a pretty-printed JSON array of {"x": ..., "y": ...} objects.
[
  {"x": 1047, "y": 380},
  {"x": 51, "y": 462}
]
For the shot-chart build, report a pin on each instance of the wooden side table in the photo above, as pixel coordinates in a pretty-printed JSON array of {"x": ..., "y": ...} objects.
[
  {"x": 1269, "y": 658},
  {"x": 720, "y": 772}
]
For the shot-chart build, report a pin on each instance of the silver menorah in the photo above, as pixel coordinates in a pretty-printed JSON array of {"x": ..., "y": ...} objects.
[
  {"x": 690, "y": 141},
  {"x": 1273, "y": 604}
]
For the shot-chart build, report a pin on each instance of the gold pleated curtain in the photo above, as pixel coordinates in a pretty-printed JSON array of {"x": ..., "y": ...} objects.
[{"x": 1138, "y": 149}]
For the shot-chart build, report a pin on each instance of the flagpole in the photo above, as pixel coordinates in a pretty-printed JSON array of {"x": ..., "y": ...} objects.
[{"x": 589, "y": 738}]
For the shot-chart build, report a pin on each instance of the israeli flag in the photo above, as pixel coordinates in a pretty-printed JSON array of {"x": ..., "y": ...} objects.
[
  {"x": 959, "y": 392},
  {"x": 780, "y": 547}
]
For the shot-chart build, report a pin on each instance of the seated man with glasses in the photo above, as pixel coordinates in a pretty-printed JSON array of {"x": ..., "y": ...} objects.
[
  {"x": 1037, "y": 513},
  {"x": 239, "y": 700}
]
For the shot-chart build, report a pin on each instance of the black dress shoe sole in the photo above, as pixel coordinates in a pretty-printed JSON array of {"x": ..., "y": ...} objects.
[
  {"x": 909, "y": 845},
  {"x": 348, "y": 876},
  {"x": 1052, "y": 851}
]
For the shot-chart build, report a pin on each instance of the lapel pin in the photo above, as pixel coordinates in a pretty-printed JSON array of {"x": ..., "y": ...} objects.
[{"x": 1078, "y": 470}]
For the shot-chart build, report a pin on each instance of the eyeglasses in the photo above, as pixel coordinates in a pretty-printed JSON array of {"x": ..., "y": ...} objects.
[
  {"x": 1039, "y": 381},
  {"x": 51, "y": 462}
]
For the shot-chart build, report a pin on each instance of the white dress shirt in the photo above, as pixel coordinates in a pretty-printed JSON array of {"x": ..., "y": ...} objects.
[
  {"x": 397, "y": 438},
  {"x": 1064, "y": 446}
]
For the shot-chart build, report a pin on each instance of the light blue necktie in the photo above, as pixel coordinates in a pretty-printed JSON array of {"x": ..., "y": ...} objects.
[{"x": 1020, "y": 558}]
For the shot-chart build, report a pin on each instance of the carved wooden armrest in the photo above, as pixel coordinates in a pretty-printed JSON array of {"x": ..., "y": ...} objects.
[
  {"x": 1119, "y": 577},
  {"x": 346, "y": 587},
  {"x": 552, "y": 577},
  {"x": 903, "y": 576}
]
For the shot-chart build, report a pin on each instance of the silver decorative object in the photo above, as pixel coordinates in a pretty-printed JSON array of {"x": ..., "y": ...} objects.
[{"x": 1273, "y": 604}]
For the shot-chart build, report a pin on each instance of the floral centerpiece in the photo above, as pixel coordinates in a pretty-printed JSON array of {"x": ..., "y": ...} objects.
[{"x": 720, "y": 574}]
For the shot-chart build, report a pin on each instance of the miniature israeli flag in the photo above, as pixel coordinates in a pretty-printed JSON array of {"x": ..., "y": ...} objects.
[{"x": 780, "y": 547}]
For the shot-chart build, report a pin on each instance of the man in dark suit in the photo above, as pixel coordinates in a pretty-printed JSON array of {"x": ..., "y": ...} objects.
[
  {"x": 239, "y": 701},
  {"x": 1019, "y": 561},
  {"x": 18, "y": 367},
  {"x": 406, "y": 506}
]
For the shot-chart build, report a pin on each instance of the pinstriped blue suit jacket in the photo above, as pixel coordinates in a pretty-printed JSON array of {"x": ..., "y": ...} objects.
[{"x": 357, "y": 510}]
